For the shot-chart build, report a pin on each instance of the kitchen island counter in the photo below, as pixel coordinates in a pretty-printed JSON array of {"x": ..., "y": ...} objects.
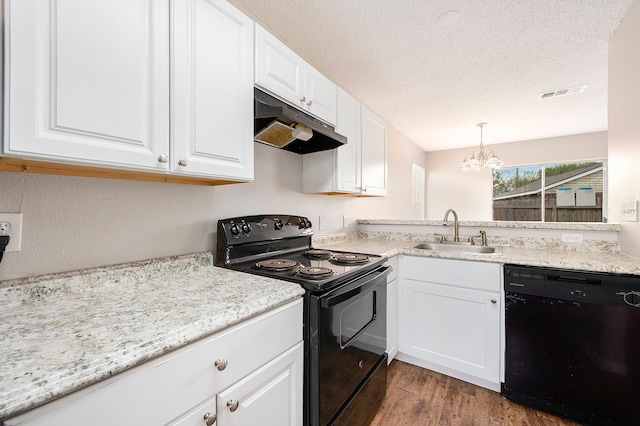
[
  {"x": 66, "y": 331},
  {"x": 615, "y": 263}
]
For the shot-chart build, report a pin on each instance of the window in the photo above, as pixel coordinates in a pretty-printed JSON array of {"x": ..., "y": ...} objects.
[{"x": 559, "y": 192}]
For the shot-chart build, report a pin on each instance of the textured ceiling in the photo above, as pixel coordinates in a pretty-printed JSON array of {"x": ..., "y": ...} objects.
[{"x": 433, "y": 77}]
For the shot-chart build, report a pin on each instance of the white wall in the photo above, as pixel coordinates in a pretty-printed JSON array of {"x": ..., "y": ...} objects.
[
  {"x": 73, "y": 222},
  {"x": 624, "y": 125},
  {"x": 470, "y": 192}
]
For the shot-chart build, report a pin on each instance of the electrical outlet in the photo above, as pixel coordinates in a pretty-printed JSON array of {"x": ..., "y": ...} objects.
[
  {"x": 345, "y": 221},
  {"x": 11, "y": 225},
  {"x": 321, "y": 220},
  {"x": 572, "y": 238}
]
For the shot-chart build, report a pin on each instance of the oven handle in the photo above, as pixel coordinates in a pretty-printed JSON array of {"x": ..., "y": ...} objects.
[{"x": 327, "y": 302}]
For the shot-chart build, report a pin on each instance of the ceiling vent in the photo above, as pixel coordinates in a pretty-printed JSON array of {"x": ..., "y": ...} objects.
[{"x": 563, "y": 92}]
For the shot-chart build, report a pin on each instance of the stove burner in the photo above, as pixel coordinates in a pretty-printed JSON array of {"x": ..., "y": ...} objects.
[
  {"x": 277, "y": 264},
  {"x": 317, "y": 254},
  {"x": 316, "y": 272},
  {"x": 350, "y": 258}
]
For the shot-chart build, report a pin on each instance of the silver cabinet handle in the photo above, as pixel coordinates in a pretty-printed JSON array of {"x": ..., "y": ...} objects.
[
  {"x": 309, "y": 104},
  {"x": 303, "y": 99},
  {"x": 209, "y": 418},
  {"x": 182, "y": 162},
  {"x": 494, "y": 301},
  {"x": 221, "y": 364},
  {"x": 232, "y": 404},
  {"x": 163, "y": 158}
]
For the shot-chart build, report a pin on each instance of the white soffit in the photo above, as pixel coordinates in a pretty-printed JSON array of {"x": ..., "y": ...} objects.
[{"x": 435, "y": 68}]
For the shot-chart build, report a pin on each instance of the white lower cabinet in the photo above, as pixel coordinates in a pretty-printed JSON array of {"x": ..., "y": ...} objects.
[
  {"x": 450, "y": 318},
  {"x": 392, "y": 309},
  {"x": 270, "y": 395},
  {"x": 244, "y": 375}
]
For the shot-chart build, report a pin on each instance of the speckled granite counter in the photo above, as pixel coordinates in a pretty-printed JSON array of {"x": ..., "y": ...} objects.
[
  {"x": 63, "y": 332},
  {"x": 584, "y": 261}
]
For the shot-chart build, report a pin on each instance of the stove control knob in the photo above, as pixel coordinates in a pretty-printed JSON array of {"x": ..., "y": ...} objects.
[
  {"x": 246, "y": 228},
  {"x": 302, "y": 224},
  {"x": 278, "y": 225},
  {"x": 308, "y": 223},
  {"x": 234, "y": 229}
]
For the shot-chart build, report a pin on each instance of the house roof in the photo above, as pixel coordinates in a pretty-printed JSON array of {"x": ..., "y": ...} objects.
[{"x": 551, "y": 182}]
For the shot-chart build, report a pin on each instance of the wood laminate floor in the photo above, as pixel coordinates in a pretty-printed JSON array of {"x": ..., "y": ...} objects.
[{"x": 420, "y": 397}]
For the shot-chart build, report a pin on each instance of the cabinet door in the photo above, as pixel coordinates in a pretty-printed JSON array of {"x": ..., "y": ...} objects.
[
  {"x": 278, "y": 69},
  {"x": 453, "y": 327},
  {"x": 271, "y": 395},
  {"x": 88, "y": 82},
  {"x": 212, "y": 90},
  {"x": 321, "y": 95},
  {"x": 374, "y": 154},
  {"x": 348, "y": 156},
  {"x": 392, "y": 320}
]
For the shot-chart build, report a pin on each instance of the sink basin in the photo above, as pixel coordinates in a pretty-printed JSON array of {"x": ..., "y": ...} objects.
[{"x": 459, "y": 247}]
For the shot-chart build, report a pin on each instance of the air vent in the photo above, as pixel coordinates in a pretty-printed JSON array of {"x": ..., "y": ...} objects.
[{"x": 563, "y": 92}]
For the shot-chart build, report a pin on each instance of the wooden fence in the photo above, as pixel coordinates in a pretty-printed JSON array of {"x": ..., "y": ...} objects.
[{"x": 528, "y": 209}]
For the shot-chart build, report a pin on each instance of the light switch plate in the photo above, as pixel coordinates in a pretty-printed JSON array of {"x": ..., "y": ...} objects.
[{"x": 629, "y": 211}]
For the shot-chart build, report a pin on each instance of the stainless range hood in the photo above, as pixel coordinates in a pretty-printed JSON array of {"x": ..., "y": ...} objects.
[{"x": 279, "y": 124}]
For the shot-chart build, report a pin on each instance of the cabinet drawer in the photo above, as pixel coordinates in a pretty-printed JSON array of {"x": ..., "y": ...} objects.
[
  {"x": 460, "y": 273},
  {"x": 171, "y": 385}
]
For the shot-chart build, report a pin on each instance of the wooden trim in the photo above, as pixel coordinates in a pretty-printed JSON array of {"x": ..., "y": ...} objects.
[{"x": 18, "y": 165}]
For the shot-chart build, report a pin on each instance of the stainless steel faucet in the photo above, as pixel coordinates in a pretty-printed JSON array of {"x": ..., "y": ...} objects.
[
  {"x": 483, "y": 238},
  {"x": 456, "y": 235}
]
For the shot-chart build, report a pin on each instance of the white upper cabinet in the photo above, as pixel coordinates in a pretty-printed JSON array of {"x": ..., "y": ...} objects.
[
  {"x": 374, "y": 154},
  {"x": 88, "y": 82},
  {"x": 360, "y": 166},
  {"x": 212, "y": 89},
  {"x": 282, "y": 72},
  {"x": 150, "y": 85}
]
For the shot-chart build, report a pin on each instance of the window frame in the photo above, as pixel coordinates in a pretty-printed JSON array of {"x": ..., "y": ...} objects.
[{"x": 543, "y": 191}]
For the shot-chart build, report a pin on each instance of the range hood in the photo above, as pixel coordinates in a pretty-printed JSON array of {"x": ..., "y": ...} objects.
[{"x": 283, "y": 126}]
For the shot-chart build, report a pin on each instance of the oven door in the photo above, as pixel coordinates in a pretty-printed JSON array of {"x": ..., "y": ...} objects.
[{"x": 351, "y": 339}]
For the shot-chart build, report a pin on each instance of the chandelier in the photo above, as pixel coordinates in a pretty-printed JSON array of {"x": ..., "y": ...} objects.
[{"x": 481, "y": 159}]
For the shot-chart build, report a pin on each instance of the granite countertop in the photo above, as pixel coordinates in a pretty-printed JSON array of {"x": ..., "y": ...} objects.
[
  {"x": 615, "y": 263},
  {"x": 577, "y": 226},
  {"x": 66, "y": 331}
]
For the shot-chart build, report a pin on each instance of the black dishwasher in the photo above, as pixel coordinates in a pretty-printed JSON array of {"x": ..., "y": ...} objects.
[{"x": 573, "y": 344}]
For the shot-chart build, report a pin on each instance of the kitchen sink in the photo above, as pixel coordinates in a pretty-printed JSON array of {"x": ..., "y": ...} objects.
[{"x": 459, "y": 247}]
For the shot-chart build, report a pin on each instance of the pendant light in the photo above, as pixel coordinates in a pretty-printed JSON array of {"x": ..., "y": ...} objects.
[{"x": 481, "y": 159}]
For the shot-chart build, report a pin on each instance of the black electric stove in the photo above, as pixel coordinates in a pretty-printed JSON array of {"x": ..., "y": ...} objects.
[
  {"x": 344, "y": 311},
  {"x": 279, "y": 246}
]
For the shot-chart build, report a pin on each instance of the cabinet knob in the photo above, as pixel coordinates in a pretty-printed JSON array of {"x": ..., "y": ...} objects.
[
  {"x": 309, "y": 104},
  {"x": 303, "y": 99},
  {"x": 209, "y": 418},
  {"x": 182, "y": 162},
  {"x": 232, "y": 404},
  {"x": 221, "y": 364},
  {"x": 494, "y": 301},
  {"x": 163, "y": 158}
]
